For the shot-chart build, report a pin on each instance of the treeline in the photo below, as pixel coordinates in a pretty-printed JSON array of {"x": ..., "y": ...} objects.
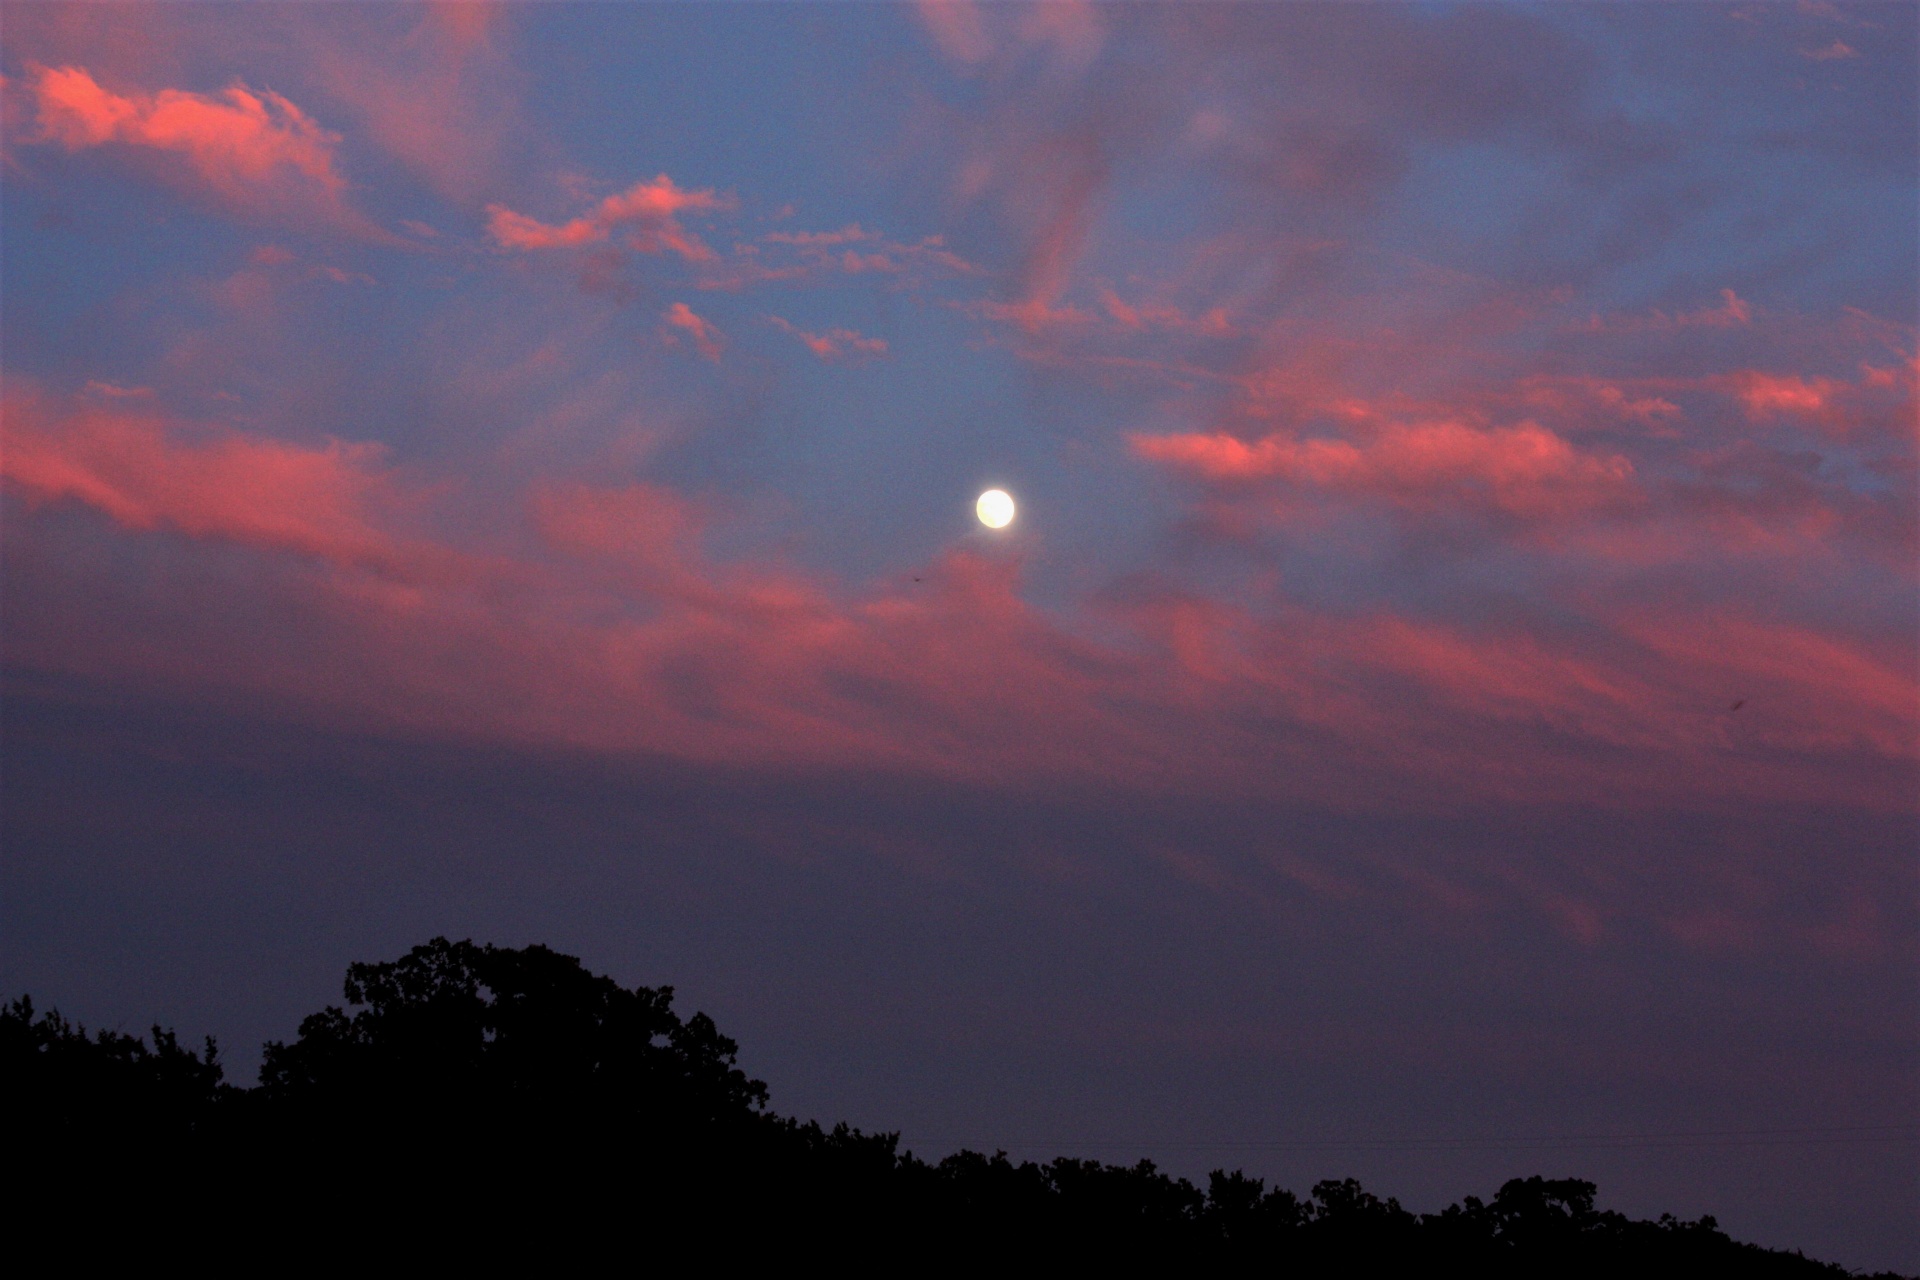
[{"x": 484, "y": 1103}]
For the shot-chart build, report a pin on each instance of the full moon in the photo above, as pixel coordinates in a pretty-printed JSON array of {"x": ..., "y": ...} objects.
[{"x": 995, "y": 509}]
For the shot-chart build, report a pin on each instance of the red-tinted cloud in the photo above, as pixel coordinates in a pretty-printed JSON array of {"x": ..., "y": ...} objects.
[
  {"x": 1069, "y": 32},
  {"x": 1766, "y": 396},
  {"x": 647, "y": 210},
  {"x": 146, "y": 473},
  {"x": 430, "y": 84},
  {"x": 1523, "y": 469},
  {"x": 1822, "y": 691},
  {"x": 1733, "y": 312},
  {"x": 615, "y": 630},
  {"x": 958, "y": 28},
  {"x": 256, "y": 152},
  {"x": 705, "y": 335},
  {"x": 643, "y": 526},
  {"x": 1880, "y": 402},
  {"x": 1141, "y": 317},
  {"x": 834, "y": 344}
]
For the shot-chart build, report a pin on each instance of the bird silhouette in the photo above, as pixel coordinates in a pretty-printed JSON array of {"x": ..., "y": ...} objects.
[{"x": 1737, "y": 705}]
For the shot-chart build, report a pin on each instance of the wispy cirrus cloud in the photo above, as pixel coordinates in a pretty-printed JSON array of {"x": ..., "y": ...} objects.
[
  {"x": 834, "y": 344},
  {"x": 974, "y": 35},
  {"x": 1837, "y": 51},
  {"x": 431, "y": 85},
  {"x": 797, "y": 257},
  {"x": 1733, "y": 312}
]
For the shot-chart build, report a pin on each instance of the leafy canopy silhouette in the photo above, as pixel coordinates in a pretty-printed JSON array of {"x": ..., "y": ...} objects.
[
  {"x": 458, "y": 1031},
  {"x": 475, "y": 1102}
]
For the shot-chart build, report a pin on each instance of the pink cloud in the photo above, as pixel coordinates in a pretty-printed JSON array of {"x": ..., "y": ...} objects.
[
  {"x": 1766, "y": 394},
  {"x": 971, "y": 34},
  {"x": 1503, "y": 676},
  {"x": 431, "y": 85},
  {"x": 957, "y": 28},
  {"x": 611, "y": 629},
  {"x": 1571, "y": 396},
  {"x": 1063, "y": 222},
  {"x": 1141, "y": 317},
  {"x": 644, "y": 522},
  {"x": 1034, "y": 315},
  {"x": 648, "y": 209},
  {"x": 146, "y": 472},
  {"x": 1733, "y": 312},
  {"x": 706, "y": 336},
  {"x": 1072, "y": 29},
  {"x": 114, "y": 392},
  {"x": 1834, "y": 406},
  {"x": 650, "y": 534},
  {"x": 834, "y": 344},
  {"x": 1826, "y": 9},
  {"x": 1524, "y": 469},
  {"x": 852, "y": 250},
  {"x": 257, "y": 153},
  {"x": 517, "y": 231},
  {"x": 1834, "y": 52},
  {"x": 852, "y": 233}
]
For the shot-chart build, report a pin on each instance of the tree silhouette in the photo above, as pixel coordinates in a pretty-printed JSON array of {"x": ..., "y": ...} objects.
[
  {"x": 524, "y": 1038},
  {"x": 484, "y": 1104},
  {"x": 109, "y": 1087}
]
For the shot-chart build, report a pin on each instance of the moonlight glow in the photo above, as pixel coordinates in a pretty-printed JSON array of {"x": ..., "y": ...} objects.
[{"x": 995, "y": 509}]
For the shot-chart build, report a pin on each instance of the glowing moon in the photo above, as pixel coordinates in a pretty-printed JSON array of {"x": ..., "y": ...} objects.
[{"x": 995, "y": 509}]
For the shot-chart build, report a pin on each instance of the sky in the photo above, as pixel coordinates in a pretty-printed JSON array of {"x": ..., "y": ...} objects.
[{"x": 1446, "y": 709}]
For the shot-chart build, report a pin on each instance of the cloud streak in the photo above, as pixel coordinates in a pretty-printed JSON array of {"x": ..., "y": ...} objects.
[
  {"x": 834, "y": 344},
  {"x": 1523, "y": 469},
  {"x": 647, "y": 214},
  {"x": 146, "y": 473}
]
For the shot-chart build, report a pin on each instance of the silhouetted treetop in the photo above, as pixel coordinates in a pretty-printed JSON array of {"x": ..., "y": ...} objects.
[
  {"x": 515, "y": 1032},
  {"x": 82, "y": 1088}
]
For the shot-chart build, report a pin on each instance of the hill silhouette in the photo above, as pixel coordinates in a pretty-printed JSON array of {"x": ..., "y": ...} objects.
[{"x": 480, "y": 1103}]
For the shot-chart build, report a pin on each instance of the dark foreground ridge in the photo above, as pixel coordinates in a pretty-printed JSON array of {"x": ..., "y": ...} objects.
[{"x": 484, "y": 1102}]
